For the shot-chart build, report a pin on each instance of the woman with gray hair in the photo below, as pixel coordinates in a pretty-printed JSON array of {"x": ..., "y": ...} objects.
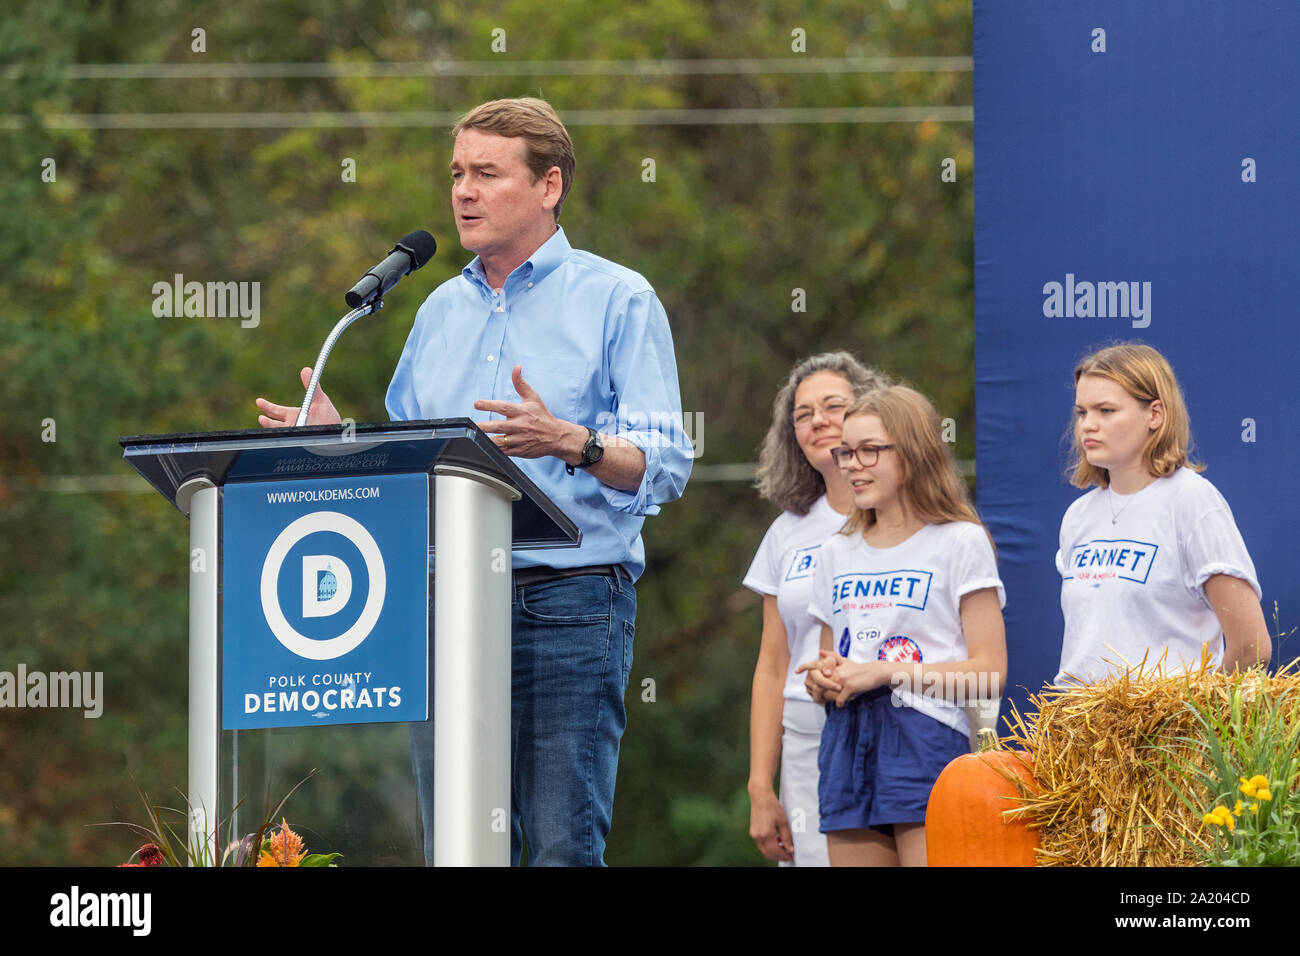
[{"x": 798, "y": 474}]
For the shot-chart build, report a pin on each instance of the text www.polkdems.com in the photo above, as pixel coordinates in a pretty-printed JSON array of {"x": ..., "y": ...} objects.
[{"x": 319, "y": 494}]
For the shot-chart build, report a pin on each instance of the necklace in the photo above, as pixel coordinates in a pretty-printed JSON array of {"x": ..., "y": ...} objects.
[{"x": 1110, "y": 500}]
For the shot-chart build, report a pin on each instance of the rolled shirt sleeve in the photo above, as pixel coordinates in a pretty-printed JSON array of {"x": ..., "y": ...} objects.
[
  {"x": 1213, "y": 546},
  {"x": 648, "y": 408}
]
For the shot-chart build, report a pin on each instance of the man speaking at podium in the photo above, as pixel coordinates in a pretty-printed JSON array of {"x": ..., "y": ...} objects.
[{"x": 555, "y": 344}]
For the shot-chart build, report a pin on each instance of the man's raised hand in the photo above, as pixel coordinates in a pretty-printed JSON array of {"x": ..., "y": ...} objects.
[
  {"x": 529, "y": 429},
  {"x": 283, "y": 416}
]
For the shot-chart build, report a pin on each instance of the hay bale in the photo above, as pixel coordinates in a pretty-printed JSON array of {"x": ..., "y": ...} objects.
[{"x": 1097, "y": 800}]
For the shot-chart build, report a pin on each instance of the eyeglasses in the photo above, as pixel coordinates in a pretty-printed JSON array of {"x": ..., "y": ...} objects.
[
  {"x": 867, "y": 455},
  {"x": 831, "y": 407}
]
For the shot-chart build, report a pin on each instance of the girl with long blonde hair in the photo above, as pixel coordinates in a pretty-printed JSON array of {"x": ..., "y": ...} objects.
[{"x": 910, "y": 604}]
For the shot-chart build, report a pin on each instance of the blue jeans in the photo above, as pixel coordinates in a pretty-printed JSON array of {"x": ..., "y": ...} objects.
[{"x": 571, "y": 653}]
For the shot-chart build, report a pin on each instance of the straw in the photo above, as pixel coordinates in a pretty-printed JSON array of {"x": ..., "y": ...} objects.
[{"x": 1096, "y": 799}]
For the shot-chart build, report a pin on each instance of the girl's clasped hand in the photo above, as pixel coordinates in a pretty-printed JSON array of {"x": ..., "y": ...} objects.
[{"x": 834, "y": 680}]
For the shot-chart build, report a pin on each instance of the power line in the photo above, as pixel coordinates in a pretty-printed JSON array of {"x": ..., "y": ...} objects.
[
  {"x": 771, "y": 66},
  {"x": 434, "y": 119}
]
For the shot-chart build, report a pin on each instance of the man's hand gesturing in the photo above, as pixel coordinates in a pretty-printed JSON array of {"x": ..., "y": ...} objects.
[
  {"x": 283, "y": 416},
  {"x": 529, "y": 429}
]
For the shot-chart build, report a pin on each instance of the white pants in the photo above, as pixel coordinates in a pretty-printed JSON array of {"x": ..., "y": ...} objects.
[{"x": 801, "y": 733}]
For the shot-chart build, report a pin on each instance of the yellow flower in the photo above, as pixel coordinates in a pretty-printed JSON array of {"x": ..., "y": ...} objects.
[
  {"x": 285, "y": 848},
  {"x": 1259, "y": 782},
  {"x": 1254, "y": 808},
  {"x": 1220, "y": 816},
  {"x": 1263, "y": 794},
  {"x": 1236, "y": 811},
  {"x": 1248, "y": 787}
]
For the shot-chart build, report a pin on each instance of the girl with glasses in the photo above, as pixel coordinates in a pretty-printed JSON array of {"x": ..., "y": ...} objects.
[
  {"x": 797, "y": 474},
  {"x": 1152, "y": 564},
  {"x": 910, "y": 607}
]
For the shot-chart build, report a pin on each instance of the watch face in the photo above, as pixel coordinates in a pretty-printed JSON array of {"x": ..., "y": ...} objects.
[{"x": 594, "y": 450}]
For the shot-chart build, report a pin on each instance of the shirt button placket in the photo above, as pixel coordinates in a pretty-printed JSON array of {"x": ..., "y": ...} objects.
[{"x": 497, "y": 322}]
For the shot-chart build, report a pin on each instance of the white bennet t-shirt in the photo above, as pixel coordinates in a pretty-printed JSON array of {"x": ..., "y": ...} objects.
[
  {"x": 1133, "y": 569},
  {"x": 784, "y": 567},
  {"x": 904, "y": 603}
]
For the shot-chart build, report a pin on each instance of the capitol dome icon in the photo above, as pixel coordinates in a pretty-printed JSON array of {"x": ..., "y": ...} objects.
[{"x": 326, "y": 585}]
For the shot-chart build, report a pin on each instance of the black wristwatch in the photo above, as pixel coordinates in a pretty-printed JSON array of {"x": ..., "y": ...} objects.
[{"x": 592, "y": 452}]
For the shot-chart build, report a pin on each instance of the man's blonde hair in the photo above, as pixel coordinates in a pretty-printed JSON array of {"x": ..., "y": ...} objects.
[{"x": 546, "y": 141}]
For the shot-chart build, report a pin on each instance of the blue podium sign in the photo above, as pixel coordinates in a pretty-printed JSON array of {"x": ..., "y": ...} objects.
[{"x": 325, "y": 602}]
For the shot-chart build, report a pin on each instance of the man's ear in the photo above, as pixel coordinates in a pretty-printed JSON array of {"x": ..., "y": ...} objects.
[{"x": 554, "y": 187}]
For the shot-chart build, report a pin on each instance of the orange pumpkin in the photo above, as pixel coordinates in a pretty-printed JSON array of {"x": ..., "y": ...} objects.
[{"x": 964, "y": 825}]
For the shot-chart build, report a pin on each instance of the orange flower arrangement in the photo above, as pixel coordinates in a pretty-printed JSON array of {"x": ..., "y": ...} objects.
[{"x": 284, "y": 848}]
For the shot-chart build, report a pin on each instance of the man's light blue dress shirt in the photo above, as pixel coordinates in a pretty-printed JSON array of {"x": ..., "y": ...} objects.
[{"x": 594, "y": 343}]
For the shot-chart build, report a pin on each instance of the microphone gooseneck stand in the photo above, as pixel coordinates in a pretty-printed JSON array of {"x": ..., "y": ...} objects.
[{"x": 372, "y": 306}]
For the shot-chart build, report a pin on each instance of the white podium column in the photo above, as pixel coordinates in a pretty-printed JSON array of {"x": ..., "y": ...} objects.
[
  {"x": 471, "y": 661},
  {"x": 200, "y": 499}
]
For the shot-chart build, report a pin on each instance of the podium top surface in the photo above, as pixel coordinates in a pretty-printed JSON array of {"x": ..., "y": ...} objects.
[{"x": 335, "y": 451}]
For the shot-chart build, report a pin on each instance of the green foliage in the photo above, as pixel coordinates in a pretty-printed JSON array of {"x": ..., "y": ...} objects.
[
  {"x": 1240, "y": 773},
  {"x": 168, "y": 832},
  {"x": 320, "y": 859},
  {"x": 739, "y": 215}
]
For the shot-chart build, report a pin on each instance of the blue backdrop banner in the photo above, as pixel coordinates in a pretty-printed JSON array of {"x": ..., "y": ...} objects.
[
  {"x": 1135, "y": 180},
  {"x": 325, "y": 601}
]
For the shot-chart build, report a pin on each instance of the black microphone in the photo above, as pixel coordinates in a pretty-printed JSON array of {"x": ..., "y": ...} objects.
[{"x": 409, "y": 254}]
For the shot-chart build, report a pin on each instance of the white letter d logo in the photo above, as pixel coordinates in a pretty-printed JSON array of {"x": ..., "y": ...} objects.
[{"x": 326, "y": 585}]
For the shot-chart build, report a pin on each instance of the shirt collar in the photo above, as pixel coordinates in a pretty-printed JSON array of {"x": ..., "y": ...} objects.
[{"x": 546, "y": 259}]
